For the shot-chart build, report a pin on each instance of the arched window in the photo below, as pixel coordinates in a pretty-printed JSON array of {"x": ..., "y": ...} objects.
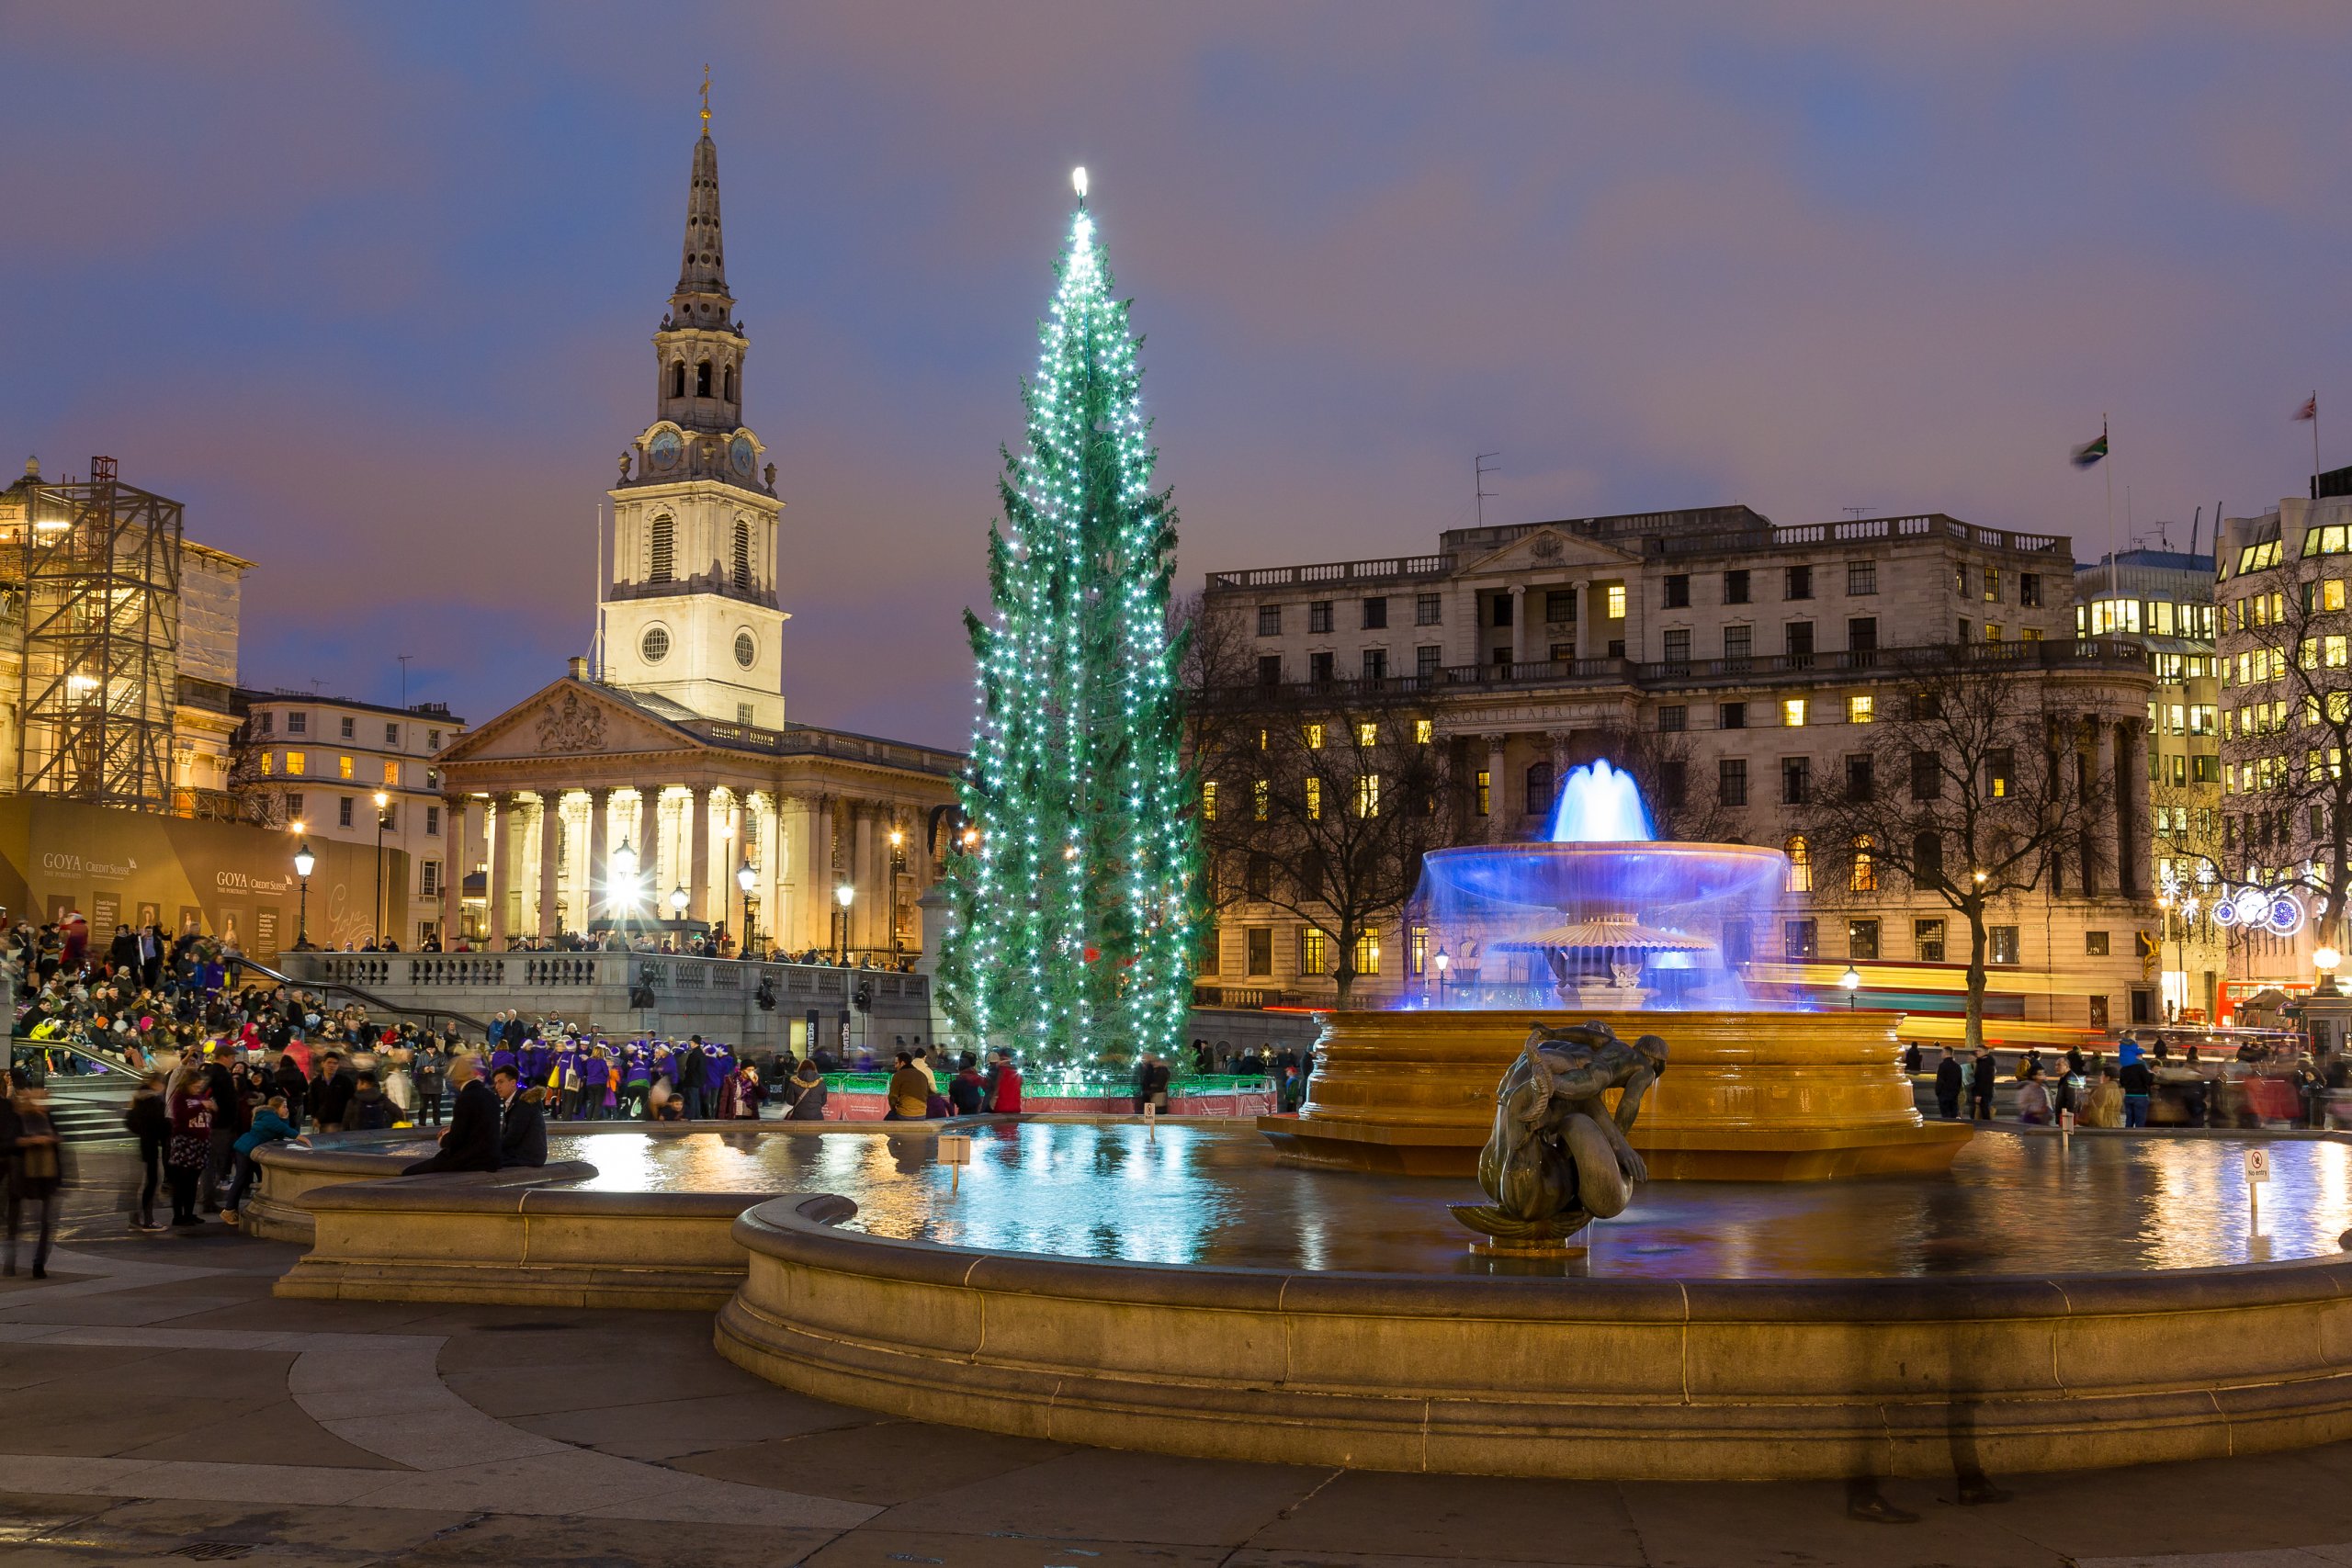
[
  {"x": 1539, "y": 788},
  {"x": 677, "y": 378},
  {"x": 1864, "y": 876},
  {"x": 1927, "y": 859},
  {"x": 702, "y": 378},
  {"x": 730, "y": 383},
  {"x": 743, "y": 556},
  {"x": 1800, "y": 865},
  {"x": 664, "y": 552}
]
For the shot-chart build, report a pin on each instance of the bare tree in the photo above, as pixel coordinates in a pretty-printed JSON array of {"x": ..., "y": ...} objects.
[
  {"x": 1320, "y": 800},
  {"x": 1980, "y": 787}
]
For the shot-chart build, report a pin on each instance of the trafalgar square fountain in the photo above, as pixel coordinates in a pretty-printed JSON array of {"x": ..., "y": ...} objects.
[{"x": 1932, "y": 1303}]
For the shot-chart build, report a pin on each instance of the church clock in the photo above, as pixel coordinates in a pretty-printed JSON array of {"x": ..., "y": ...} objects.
[
  {"x": 664, "y": 448},
  {"x": 740, "y": 455}
]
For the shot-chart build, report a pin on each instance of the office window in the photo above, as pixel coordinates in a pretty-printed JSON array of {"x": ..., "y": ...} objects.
[
  {"x": 1258, "y": 875},
  {"x": 1616, "y": 601},
  {"x": 1564, "y": 653},
  {"x": 1270, "y": 620},
  {"x": 1861, "y": 708},
  {"x": 1960, "y": 578},
  {"x": 297, "y": 762},
  {"x": 1863, "y": 876},
  {"x": 1318, "y": 668},
  {"x": 1731, "y": 715},
  {"x": 1731, "y": 781},
  {"x": 1367, "y": 733},
  {"x": 1862, "y": 577},
  {"x": 1502, "y": 610},
  {"x": 1800, "y": 855},
  {"x": 1314, "y": 951},
  {"x": 1861, "y": 940},
  {"x": 1375, "y": 613},
  {"x": 1313, "y": 735},
  {"x": 1486, "y": 792},
  {"x": 2000, "y": 765},
  {"x": 1429, "y": 609},
  {"x": 1992, "y": 585},
  {"x": 391, "y": 735},
  {"x": 1962, "y": 634},
  {"x": 268, "y": 760},
  {"x": 1375, "y": 664},
  {"x": 1261, "y": 799},
  {"x": 1927, "y": 939},
  {"x": 298, "y": 723},
  {"x": 1796, "y": 780},
  {"x": 262, "y": 721},
  {"x": 1259, "y": 942},
  {"x": 1560, "y": 604},
  {"x": 433, "y": 821},
  {"x": 1677, "y": 591},
  {"x": 1368, "y": 952},
  {"x": 1270, "y": 670},
  {"x": 343, "y": 812},
  {"x": 1799, "y": 581},
  {"x": 1426, "y": 661},
  {"x": 1736, "y": 587},
  {"x": 1424, "y": 731},
  {"x": 294, "y": 807},
  {"x": 1740, "y": 643},
  {"x": 1796, "y": 639},
  {"x": 1677, "y": 645},
  {"x": 2001, "y": 944},
  {"x": 350, "y": 728},
  {"x": 1861, "y": 781},
  {"x": 343, "y": 767},
  {"x": 1539, "y": 788},
  {"x": 2030, "y": 590},
  {"x": 392, "y": 773},
  {"x": 1794, "y": 711},
  {"x": 1416, "y": 948},
  {"x": 1673, "y": 719},
  {"x": 433, "y": 740},
  {"x": 429, "y": 879},
  {"x": 2094, "y": 944},
  {"x": 1318, "y": 616},
  {"x": 1502, "y": 657},
  {"x": 1801, "y": 941}
]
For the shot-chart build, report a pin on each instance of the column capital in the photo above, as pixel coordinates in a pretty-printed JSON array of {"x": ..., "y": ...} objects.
[
  {"x": 1518, "y": 590},
  {"x": 600, "y": 793},
  {"x": 1494, "y": 742},
  {"x": 504, "y": 799}
]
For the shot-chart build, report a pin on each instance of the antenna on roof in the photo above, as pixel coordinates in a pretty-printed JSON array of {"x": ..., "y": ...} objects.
[
  {"x": 1856, "y": 511},
  {"x": 403, "y": 658},
  {"x": 1479, "y": 473}
]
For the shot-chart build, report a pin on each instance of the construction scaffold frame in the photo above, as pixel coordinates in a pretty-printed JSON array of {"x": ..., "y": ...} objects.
[{"x": 100, "y": 570}]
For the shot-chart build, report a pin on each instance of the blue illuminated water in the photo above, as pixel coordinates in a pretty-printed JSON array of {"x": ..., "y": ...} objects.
[{"x": 1600, "y": 804}]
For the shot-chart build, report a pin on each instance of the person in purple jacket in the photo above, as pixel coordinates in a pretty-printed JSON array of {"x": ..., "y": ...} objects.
[{"x": 595, "y": 1078}]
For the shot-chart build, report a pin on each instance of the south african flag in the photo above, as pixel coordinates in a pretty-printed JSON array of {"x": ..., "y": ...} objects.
[{"x": 2091, "y": 451}]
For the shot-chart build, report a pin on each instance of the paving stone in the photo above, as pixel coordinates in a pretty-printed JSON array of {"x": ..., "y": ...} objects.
[
  {"x": 615, "y": 1543},
  {"x": 1099, "y": 1492},
  {"x": 665, "y": 1428},
  {"x": 877, "y": 1461},
  {"x": 882, "y": 1547},
  {"x": 278, "y": 1433},
  {"x": 1365, "y": 1512},
  {"x": 1804, "y": 1525}
]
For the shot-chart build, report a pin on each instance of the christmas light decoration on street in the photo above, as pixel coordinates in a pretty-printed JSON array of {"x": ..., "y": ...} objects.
[{"x": 1071, "y": 900}]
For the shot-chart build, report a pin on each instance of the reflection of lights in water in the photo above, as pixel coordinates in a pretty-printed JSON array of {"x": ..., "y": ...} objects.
[{"x": 1194, "y": 1194}]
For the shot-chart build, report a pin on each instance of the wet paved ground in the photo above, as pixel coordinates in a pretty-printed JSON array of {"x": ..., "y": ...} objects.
[{"x": 155, "y": 1398}]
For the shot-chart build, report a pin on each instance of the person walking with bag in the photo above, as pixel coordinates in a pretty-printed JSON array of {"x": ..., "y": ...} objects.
[
  {"x": 149, "y": 1119},
  {"x": 29, "y": 1144}
]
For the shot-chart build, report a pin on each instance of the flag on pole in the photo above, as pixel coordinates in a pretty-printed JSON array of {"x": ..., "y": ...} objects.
[
  {"x": 2310, "y": 411},
  {"x": 2091, "y": 451}
]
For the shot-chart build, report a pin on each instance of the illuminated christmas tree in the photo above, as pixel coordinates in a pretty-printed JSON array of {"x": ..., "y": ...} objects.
[{"x": 1071, "y": 898}]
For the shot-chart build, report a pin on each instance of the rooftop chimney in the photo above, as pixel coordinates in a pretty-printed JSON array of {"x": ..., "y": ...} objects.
[{"x": 579, "y": 667}]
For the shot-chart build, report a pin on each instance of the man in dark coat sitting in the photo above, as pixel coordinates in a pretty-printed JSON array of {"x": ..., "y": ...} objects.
[
  {"x": 522, "y": 1120},
  {"x": 470, "y": 1141}
]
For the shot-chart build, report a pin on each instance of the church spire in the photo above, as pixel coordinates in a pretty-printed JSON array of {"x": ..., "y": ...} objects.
[
  {"x": 702, "y": 300},
  {"x": 701, "y": 346}
]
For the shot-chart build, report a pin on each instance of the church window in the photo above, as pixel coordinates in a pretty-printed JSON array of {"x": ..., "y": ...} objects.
[
  {"x": 747, "y": 651},
  {"x": 730, "y": 383},
  {"x": 665, "y": 550},
  {"x": 655, "y": 644},
  {"x": 678, "y": 378},
  {"x": 702, "y": 378},
  {"x": 743, "y": 556}
]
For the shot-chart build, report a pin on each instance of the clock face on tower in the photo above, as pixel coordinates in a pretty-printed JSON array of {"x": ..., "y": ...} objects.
[
  {"x": 740, "y": 455},
  {"x": 663, "y": 448}
]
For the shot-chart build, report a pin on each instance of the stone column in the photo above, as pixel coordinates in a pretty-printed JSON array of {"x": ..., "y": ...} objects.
[
  {"x": 1559, "y": 739},
  {"x": 821, "y": 875},
  {"x": 2108, "y": 851},
  {"x": 550, "y": 841},
  {"x": 1582, "y": 643},
  {"x": 599, "y": 805},
  {"x": 453, "y": 868},
  {"x": 1495, "y": 796},
  {"x": 498, "y": 833},
  {"x": 2133, "y": 790},
  {"x": 649, "y": 843},
  {"x": 698, "y": 855},
  {"x": 1519, "y": 643}
]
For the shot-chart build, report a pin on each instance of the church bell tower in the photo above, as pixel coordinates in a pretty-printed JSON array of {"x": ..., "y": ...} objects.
[{"x": 691, "y": 613}]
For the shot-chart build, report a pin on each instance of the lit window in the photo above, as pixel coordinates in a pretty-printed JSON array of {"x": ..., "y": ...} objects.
[
  {"x": 1860, "y": 710},
  {"x": 1424, "y": 731},
  {"x": 267, "y": 761},
  {"x": 1261, "y": 794},
  {"x": 1616, "y": 601},
  {"x": 1800, "y": 865},
  {"x": 1367, "y": 734},
  {"x": 1314, "y": 799},
  {"x": 1208, "y": 800},
  {"x": 296, "y": 762},
  {"x": 342, "y": 765},
  {"x": 1368, "y": 952},
  {"x": 1865, "y": 875},
  {"x": 1314, "y": 951},
  {"x": 392, "y": 773},
  {"x": 1314, "y": 737},
  {"x": 2331, "y": 593},
  {"x": 1368, "y": 795},
  {"x": 1486, "y": 792},
  {"x": 1792, "y": 712}
]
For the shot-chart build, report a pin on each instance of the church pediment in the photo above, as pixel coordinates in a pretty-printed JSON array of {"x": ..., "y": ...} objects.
[
  {"x": 570, "y": 718},
  {"x": 1550, "y": 550}
]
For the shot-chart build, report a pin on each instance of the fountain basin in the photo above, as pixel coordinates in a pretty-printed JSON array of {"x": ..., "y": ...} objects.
[{"x": 1748, "y": 1096}]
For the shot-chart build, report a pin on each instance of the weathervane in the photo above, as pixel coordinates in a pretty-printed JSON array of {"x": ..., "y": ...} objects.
[{"x": 706, "y": 100}]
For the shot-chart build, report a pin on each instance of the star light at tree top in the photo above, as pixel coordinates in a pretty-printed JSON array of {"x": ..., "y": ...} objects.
[{"x": 1072, "y": 898}]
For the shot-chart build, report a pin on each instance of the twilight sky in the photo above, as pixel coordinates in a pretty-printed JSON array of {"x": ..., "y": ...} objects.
[{"x": 370, "y": 287}]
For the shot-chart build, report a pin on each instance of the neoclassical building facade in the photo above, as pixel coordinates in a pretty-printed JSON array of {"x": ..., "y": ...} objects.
[{"x": 661, "y": 775}]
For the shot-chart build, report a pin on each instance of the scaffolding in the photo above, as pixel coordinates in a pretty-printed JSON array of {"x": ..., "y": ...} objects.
[{"x": 100, "y": 579}]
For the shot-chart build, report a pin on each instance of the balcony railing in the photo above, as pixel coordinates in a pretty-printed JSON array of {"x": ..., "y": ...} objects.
[{"x": 541, "y": 973}]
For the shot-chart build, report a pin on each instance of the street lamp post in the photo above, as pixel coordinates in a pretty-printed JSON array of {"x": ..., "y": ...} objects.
[
  {"x": 1852, "y": 980},
  {"x": 1444, "y": 962},
  {"x": 745, "y": 878},
  {"x": 383, "y": 804},
  {"x": 620, "y": 883},
  {"x": 842, "y": 896},
  {"x": 2324, "y": 960},
  {"x": 304, "y": 860},
  {"x": 678, "y": 899}
]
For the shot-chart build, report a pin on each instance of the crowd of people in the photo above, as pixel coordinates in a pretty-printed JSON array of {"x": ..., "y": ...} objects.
[
  {"x": 713, "y": 944},
  {"x": 2208, "y": 1091}
]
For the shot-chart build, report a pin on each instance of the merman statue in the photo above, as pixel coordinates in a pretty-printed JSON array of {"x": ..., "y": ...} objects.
[{"x": 1559, "y": 1157}]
